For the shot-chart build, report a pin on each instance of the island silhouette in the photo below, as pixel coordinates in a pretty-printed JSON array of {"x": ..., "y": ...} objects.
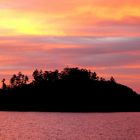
[{"x": 69, "y": 90}]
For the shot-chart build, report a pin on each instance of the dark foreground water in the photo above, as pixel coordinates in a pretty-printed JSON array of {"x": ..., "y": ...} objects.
[{"x": 69, "y": 126}]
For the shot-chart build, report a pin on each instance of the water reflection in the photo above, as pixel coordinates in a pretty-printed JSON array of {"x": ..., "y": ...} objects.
[{"x": 69, "y": 126}]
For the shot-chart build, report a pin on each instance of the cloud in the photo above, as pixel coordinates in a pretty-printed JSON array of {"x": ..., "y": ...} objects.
[
  {"x": 125, "y": 21},
  {"x": 56, "y": 52}
]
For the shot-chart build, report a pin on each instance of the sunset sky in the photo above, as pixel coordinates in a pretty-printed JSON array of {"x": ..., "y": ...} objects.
[{"x": 101, "y": 35}]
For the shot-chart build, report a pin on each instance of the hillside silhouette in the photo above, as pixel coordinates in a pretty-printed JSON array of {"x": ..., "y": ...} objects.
[{"x": 71, "y": 90}]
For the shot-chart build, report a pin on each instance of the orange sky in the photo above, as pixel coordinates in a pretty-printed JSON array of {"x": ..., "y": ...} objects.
[{"x": 103, "y": 35}]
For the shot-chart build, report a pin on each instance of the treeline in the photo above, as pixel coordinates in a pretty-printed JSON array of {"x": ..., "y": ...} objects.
[
  {"x": 40, "y": 77},
  {"x": 71, "y": 89}
]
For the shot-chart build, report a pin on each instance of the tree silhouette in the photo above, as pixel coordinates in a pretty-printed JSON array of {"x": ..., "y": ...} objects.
[
  {"x": 19, "y": 79},
  {"x": 75, "y": 74},
  {"x": 38, "y": 76},
  {"x": 102, "y": 79},
  {"x": 94, "y": 76},
  {"x": 112, "y": 79},
  {"x": 51, "y": 76}
]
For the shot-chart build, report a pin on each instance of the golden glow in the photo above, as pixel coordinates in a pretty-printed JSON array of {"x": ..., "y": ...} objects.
[
  {"x": 13, "y": 23},
  {"x": 46, "y": 18}
]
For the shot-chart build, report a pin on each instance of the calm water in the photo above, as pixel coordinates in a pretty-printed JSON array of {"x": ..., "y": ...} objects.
[{"x": 69, "y": 126}]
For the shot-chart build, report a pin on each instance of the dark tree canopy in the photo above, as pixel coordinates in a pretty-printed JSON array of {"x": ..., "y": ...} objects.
[
  {"x": 75, "y": 74},
  {"x": 19, "y": 79}
]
